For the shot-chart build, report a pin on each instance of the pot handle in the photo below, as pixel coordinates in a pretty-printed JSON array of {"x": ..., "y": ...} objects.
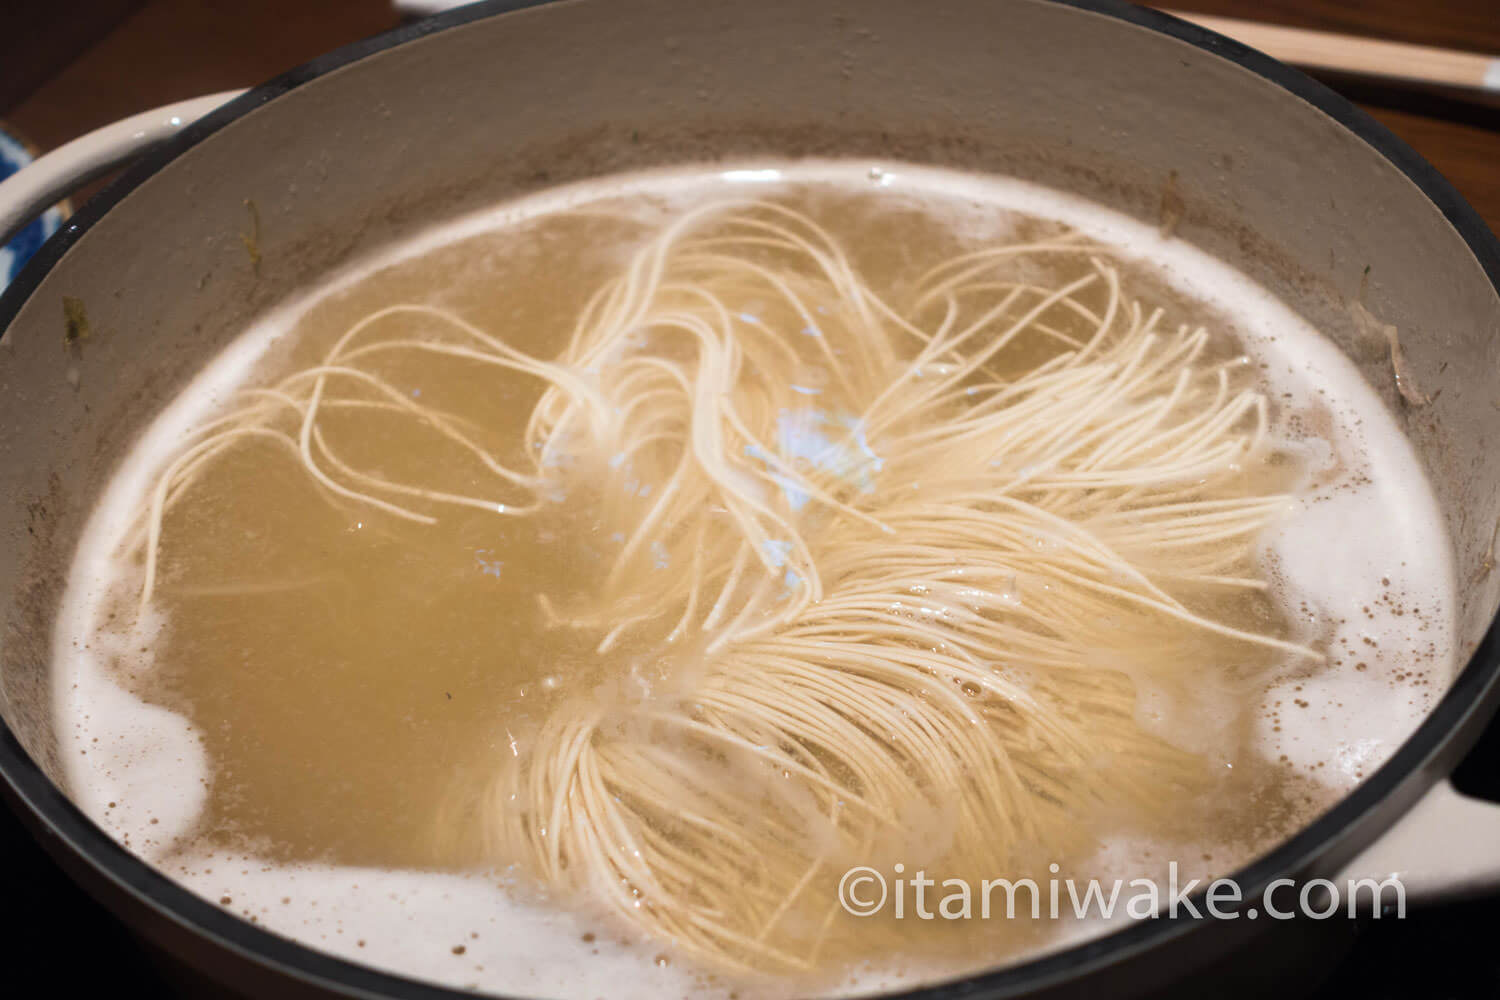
[
  {"x": 45, "y": 181},
  {"x": 1447, "y": 846}
]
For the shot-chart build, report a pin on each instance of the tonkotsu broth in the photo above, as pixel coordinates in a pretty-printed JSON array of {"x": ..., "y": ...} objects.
[{"x": 354, "y": 680}]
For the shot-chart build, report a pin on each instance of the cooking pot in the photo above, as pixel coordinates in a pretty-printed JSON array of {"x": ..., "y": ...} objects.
[{"x": 1251, "y": 161}]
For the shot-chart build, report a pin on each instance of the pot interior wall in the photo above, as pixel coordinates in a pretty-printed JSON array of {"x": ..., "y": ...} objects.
[{"x": 1136, "y": 120}]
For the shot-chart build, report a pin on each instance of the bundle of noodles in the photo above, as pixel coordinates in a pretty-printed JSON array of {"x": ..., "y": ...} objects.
[{"x": 922, "y": 561}]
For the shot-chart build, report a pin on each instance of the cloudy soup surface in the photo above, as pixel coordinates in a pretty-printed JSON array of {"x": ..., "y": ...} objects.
[{"x": 560, "y": 603}]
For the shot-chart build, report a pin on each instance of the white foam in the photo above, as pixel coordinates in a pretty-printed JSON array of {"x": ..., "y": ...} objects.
[
  {"x": 1366, "y": 553},
  {"x": 140, "y": 771},
  {"x": 461, "y": 930},
  {"x": 1343, "y": 721}
]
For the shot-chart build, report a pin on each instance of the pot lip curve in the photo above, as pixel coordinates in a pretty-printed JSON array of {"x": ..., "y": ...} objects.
[{"x": 1414, "y": 765}]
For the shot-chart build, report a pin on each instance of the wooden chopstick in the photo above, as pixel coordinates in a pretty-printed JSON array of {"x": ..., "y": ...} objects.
[{"x": 1326, "y": 50}]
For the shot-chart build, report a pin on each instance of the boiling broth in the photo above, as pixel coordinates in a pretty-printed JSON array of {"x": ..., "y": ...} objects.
[{"x": 339, "y": 682}]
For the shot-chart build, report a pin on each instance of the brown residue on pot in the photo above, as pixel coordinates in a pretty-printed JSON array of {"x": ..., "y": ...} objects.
[
  {"x": 75, "y": 321},
  {"x": 1487, "y": 561},
  {"x": 252, "y": 240},
  {"x": 1372, "y": 328},
  {"x": 1172, "y": 207}
]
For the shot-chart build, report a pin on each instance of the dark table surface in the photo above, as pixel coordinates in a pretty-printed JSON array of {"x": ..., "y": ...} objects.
[{"x": 71, "y": 66}]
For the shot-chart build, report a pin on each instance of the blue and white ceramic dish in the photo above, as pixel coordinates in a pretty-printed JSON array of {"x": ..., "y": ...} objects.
[{"x": 15, "y": 154}]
